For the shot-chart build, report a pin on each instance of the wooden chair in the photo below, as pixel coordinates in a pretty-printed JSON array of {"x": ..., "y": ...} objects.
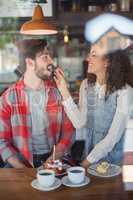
[
  {"x": 128, "y": 158},
  {"x": 1, "y": 163}
]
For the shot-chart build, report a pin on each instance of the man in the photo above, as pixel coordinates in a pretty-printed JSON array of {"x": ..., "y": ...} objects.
[{"x": 32, "y": 119}]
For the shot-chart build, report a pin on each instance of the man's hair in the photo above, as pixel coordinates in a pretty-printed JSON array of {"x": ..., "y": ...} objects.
[{"x": 28, "y": 49}]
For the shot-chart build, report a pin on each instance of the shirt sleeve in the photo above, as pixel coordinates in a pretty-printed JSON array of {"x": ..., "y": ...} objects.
[
  {"x": 6, "y": 149},
  {"x": 67, "y": 135},
  {"x": 124, "y": 103},
  {"x": 77, "y": 113}
]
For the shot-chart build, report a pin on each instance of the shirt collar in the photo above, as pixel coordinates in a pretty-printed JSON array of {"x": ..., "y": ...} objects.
[{"x": 48, "y": 84}]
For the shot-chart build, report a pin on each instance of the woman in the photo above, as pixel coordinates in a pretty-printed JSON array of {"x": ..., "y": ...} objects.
[{"x": 104, "y": 105}]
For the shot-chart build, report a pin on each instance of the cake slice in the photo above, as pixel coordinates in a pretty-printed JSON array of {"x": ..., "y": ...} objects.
[
  {"x": 102, "y": 168},
  {"x": 57, "y": 166}
]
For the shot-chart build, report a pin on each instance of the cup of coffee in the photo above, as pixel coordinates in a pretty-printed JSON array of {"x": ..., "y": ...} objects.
[
  {"x": 76, "y": 174},
  {"x": 46, "y": 177}
]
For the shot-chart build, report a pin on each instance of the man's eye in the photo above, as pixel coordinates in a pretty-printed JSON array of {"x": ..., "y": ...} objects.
[{"x": 44, "y": 57}]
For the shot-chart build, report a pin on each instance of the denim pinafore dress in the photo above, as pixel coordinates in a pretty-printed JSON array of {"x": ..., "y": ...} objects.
[{"x": 99, "y": 119}]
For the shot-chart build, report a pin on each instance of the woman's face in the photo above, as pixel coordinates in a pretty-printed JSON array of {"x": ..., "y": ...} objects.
[{"x": 97, "y": 63}]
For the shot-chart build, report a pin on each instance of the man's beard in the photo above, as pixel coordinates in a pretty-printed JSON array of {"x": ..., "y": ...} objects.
[{"x": 40, "y": 74}]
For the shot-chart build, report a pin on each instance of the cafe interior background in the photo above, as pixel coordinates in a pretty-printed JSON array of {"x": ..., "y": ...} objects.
[{"x": 68, "y": 47}]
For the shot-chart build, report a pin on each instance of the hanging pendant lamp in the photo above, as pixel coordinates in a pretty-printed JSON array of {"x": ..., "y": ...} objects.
[{"x": 38, "y": 25}]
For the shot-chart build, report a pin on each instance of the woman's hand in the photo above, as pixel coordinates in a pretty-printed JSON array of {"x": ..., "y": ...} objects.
[
  {"x": 85, "y": 164},
  {"x": 61, "y": 83}
]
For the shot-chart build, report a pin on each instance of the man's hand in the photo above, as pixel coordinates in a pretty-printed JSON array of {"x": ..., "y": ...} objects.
[
  {"x": 58, "y": 155},
  {"x": 16, "y": 163},
  {"x": 48, "y": 161}
]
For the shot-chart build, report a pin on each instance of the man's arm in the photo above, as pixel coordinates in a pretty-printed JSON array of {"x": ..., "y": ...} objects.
[
  {"x": 15, "y": 162},
  {"x": 7, "y": 151},
  {"x": 66, "y": 138},
  {"x": 67, "y": 135}
]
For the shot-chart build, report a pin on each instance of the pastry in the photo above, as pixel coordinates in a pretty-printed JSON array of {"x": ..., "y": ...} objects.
[
  {"x": 102, "y": 168},
  {"x": 57, "y": 166}
]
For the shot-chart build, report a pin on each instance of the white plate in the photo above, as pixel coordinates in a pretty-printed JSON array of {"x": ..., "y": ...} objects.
[
  {"x": 65, "y": 181},
  {"x": 37, "y": 186},
  {"x": 113, "y": 170}
]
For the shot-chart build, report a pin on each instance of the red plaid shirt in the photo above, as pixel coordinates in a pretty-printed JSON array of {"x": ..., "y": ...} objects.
[{"x": 15, "y": 122}]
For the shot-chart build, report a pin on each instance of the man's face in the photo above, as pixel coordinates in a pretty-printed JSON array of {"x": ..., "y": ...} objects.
[{"x": 42, "y": 60}]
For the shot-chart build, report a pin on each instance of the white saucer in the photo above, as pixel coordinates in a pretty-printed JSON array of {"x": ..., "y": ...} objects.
[
  {"x": 65, "y": 181},
  {"x": 37, "y": 186}
]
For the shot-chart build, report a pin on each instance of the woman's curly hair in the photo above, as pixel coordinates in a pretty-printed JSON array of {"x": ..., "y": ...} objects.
[{"x": 119, "y": 71}]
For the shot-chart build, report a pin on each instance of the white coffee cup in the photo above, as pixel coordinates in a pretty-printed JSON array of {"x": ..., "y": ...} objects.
[
  {"x": 76, "y": 174},
  {"x": 46, "y": 177}
]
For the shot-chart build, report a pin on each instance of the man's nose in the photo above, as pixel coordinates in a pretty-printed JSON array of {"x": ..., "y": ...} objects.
[{"x": 50, "y": 60}]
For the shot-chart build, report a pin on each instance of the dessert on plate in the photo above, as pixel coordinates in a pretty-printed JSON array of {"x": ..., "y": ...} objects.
[
  {"x": 57, "y": 166},
  {"x": 102, "y": 168}
]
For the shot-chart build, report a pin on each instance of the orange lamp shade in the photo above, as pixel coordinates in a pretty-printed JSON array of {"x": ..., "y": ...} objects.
[{"x": 38, "y": 26}]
